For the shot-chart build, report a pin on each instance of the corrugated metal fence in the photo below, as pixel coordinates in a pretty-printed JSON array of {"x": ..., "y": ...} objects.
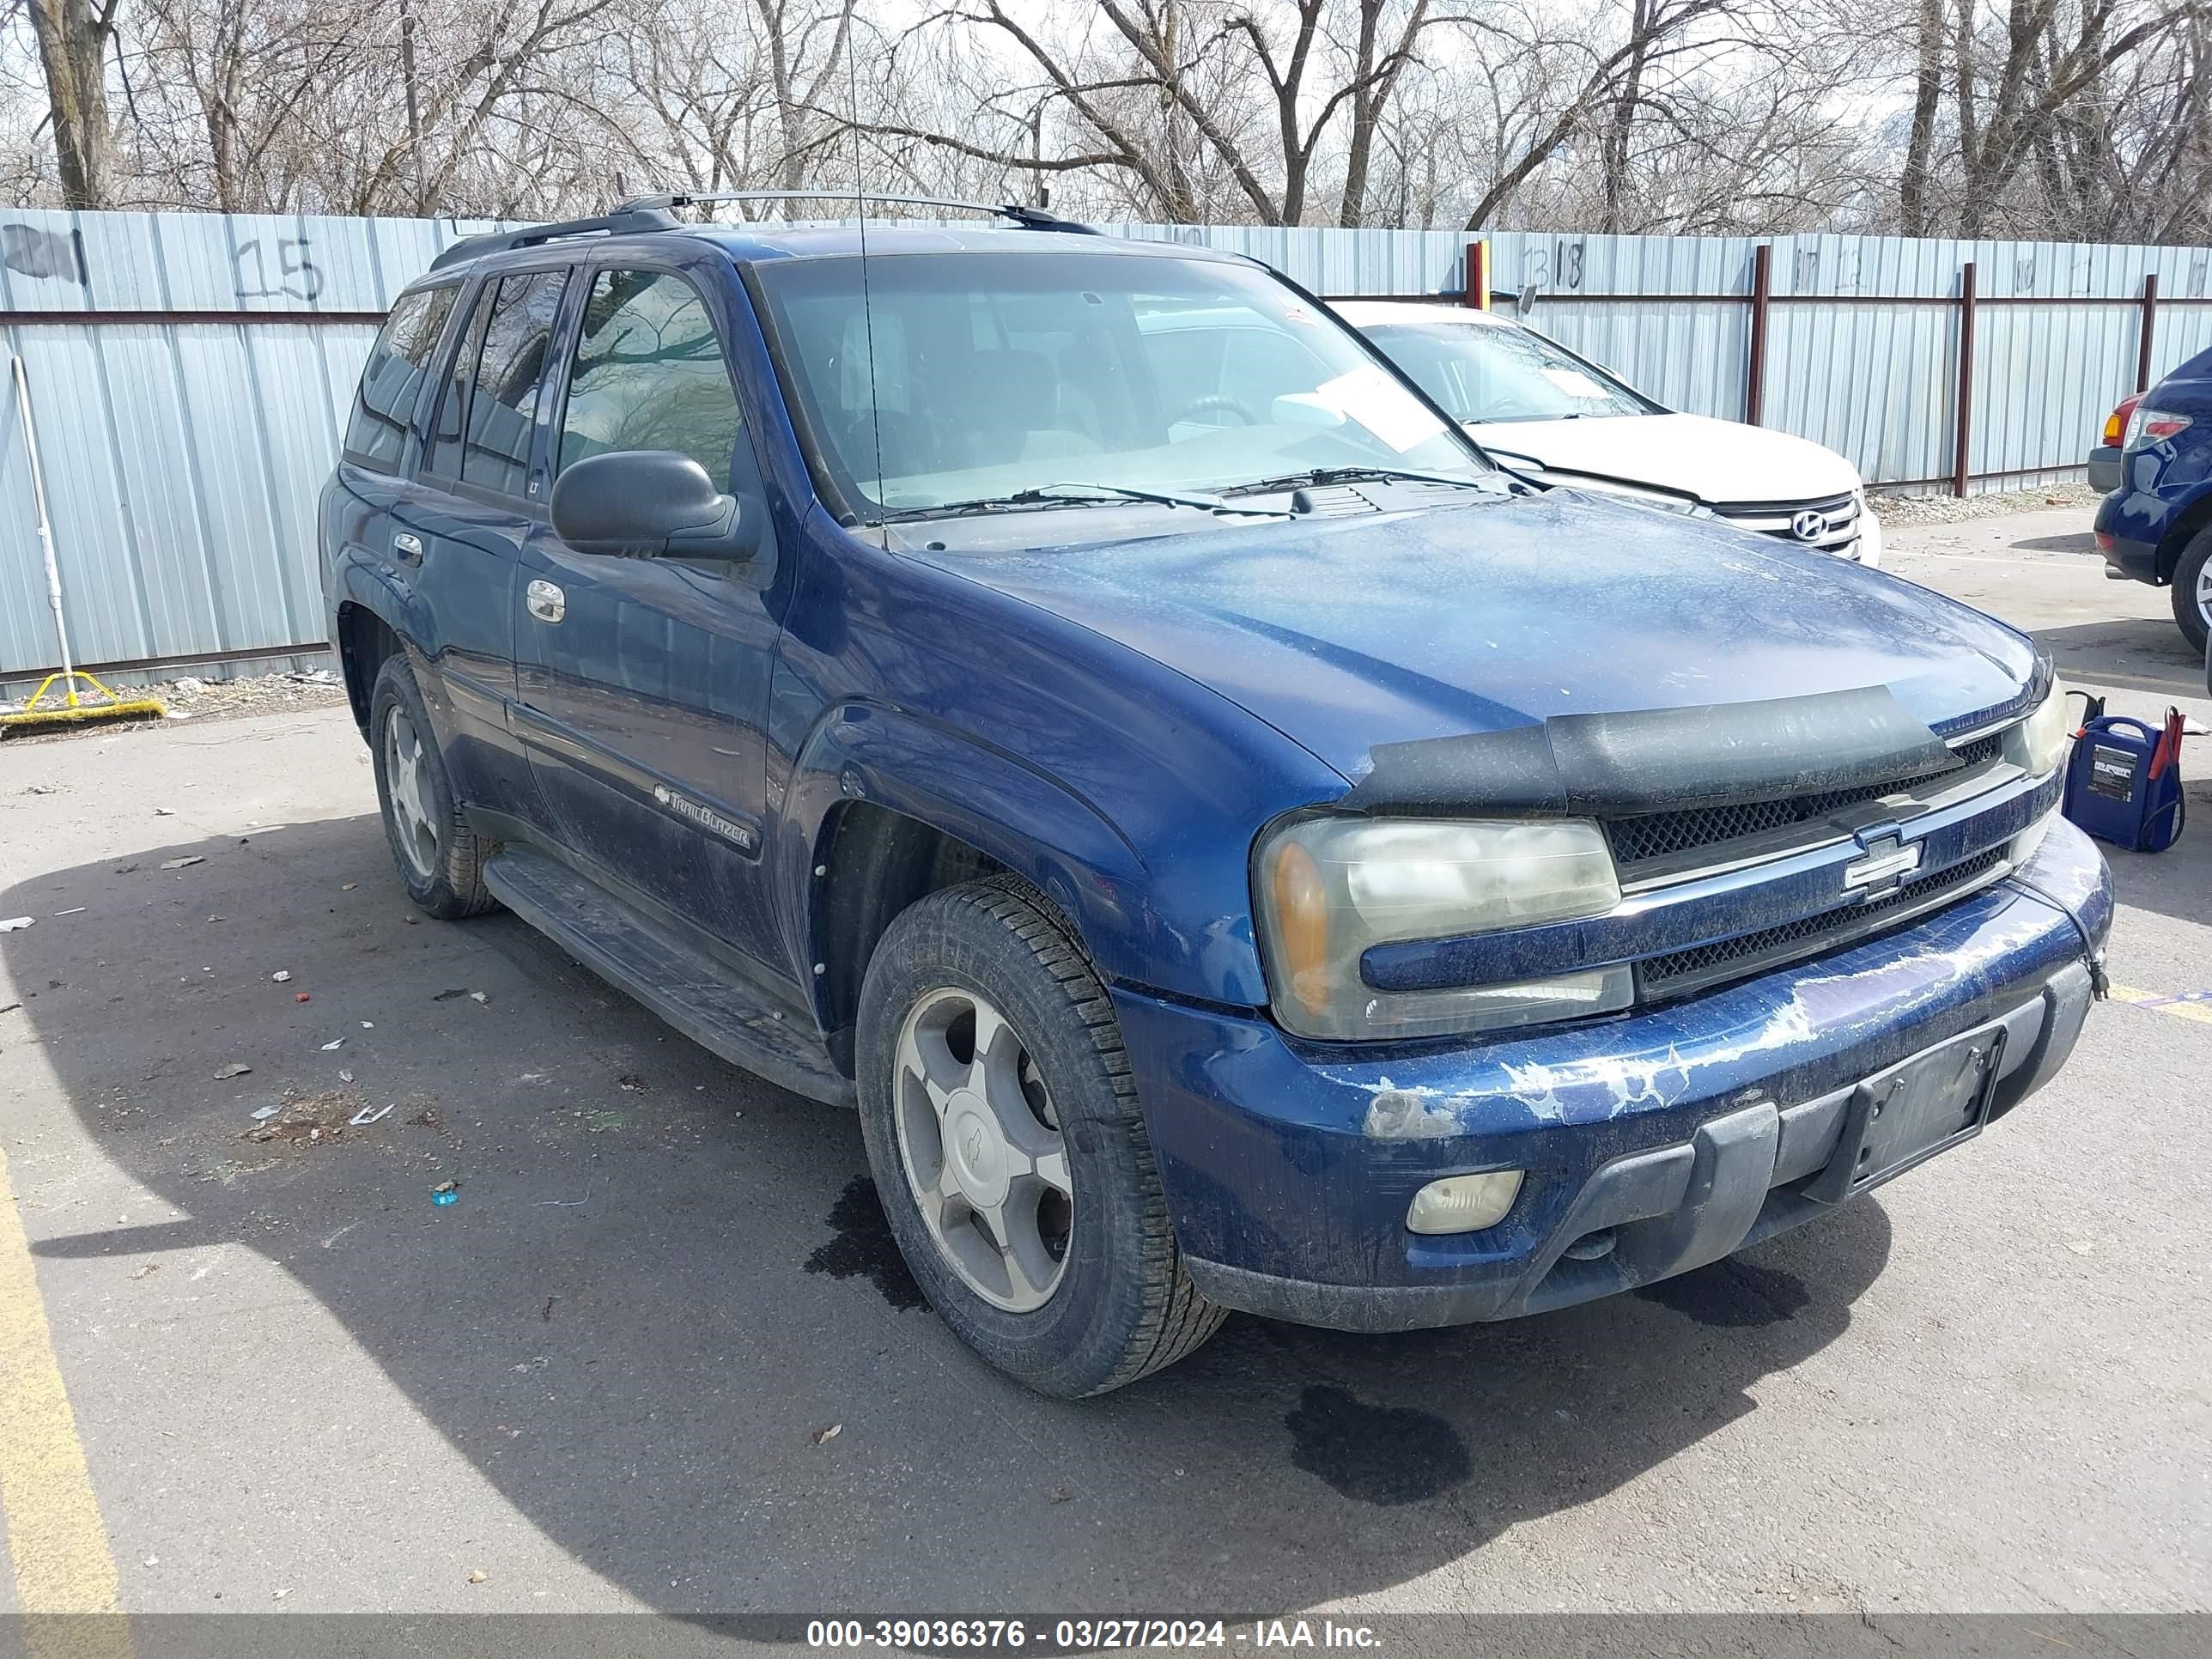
[{"x": 191, "y": 374}]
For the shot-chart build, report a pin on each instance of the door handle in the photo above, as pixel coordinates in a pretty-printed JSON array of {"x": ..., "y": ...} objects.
[
  {"x": 407, "y": 547},
  {"x": 545, "y": 601}
]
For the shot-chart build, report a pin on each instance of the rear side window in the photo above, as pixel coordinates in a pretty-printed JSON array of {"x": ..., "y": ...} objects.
[
  {"x": 512, "y": 368},
  {"x": 396, "y": 363},
  {"x": 649, "y": 374},
  {"x": 443, "y": 457}
]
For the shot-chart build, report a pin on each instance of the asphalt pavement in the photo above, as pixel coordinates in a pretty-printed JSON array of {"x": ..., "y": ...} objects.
[{"x": 658, "y": 1353}]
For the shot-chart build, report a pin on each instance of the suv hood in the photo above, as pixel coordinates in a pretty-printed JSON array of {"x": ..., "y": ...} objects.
[
  {"x": 1346, "y": 633},
  {"x": 1716, "y": 461}
]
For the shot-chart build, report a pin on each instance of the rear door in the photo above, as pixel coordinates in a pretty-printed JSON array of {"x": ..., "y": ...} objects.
[
  {"x": 382, "y": 438},
  {"x": 480, "y": 491},
  {"x": 644, "y": 681}
]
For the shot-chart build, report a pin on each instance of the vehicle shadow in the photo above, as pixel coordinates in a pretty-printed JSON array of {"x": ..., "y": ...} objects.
[
  {"x": 662, "y": 1280},
  {"x": 2138, "y": 654}
]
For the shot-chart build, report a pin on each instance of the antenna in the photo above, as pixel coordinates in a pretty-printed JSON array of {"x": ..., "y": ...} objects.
[{"x": 867, "y": 311}]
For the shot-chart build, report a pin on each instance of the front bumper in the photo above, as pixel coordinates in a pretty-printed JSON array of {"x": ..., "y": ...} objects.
[{"x": 1673, "y": 1136}]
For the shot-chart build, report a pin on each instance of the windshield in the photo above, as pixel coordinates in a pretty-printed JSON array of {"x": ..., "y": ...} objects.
[
  {"x": 1490, "y": 372},
  {"x": 996, "y": 373}
]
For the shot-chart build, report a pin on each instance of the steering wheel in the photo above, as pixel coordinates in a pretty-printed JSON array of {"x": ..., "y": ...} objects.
[{"x": 1219, "y": 400}]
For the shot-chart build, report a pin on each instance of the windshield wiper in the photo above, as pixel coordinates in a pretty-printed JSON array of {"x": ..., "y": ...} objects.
[
  {"x": 1079, "y": 494},
  {"x": 1337, "y": 475}
]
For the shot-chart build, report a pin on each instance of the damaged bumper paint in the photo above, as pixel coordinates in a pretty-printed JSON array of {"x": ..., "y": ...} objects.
[{"x": 1654, "y": 1143}]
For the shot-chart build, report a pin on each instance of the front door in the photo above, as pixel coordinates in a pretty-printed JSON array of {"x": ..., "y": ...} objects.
[{"x": 644, "y": 681}]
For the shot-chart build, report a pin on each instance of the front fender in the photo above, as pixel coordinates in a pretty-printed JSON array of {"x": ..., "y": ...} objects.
[{"x": 996, "y": 802}]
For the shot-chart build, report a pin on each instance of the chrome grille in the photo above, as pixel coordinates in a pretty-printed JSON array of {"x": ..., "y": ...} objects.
[
  {"x": 1652, "y": 836},
  {"x": 1839, "y": 521},
  {"x": 1732, "y": 958}
]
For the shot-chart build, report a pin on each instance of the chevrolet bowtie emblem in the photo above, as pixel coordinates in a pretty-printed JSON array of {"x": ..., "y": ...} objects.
[{"x": 1888, "y": 861}]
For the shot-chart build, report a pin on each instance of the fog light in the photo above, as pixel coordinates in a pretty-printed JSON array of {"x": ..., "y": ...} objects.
[{"x": 1464, "y": 1204}]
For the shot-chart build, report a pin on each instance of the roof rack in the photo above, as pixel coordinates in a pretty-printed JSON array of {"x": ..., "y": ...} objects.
[
  {"x": 1028, "y": 218},
  {"x": 630, "y": 217},
  {"x": 646, "y": 212}
]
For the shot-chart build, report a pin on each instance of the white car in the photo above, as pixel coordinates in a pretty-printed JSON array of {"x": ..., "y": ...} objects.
[{"x": 1537, "y": 406}]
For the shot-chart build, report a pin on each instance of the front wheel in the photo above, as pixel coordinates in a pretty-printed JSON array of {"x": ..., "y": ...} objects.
[
  {"x": 2192, "y": 589},
  {"x": 1004, "y": 1134}
]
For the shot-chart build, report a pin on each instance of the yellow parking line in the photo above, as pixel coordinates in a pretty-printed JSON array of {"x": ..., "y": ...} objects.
[
  {"x": 2199, "y": 1012},
  {"x": 55, "y": 1535}
]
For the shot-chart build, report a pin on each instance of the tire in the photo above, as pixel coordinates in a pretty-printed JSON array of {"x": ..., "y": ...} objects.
[
  {"x": 2192, "y": 589},
  {"x": 1119, "y": 1305},
  {"x": 439, "y": 859}
]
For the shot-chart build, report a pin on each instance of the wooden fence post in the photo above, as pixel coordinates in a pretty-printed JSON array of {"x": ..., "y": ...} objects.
[
  {"x": 1754, "y": 384},
  {"x": 2143, "y": 334},
  {"x": 1959, "y": 455},
  {"x": 1477, "y": 293}
]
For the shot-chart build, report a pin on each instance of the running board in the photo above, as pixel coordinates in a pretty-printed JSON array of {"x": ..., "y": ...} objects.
[{"x": 706, "y": 1001}]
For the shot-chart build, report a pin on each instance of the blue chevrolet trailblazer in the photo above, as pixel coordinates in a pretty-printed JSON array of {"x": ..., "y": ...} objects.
[{"x": 1236, "y": 846}]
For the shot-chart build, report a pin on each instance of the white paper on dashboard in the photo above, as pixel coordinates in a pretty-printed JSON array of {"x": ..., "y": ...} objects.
[{"x": 1369, "y": 396}]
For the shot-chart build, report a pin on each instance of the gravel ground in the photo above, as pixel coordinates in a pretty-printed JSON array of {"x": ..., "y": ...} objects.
[
  {"x": 1950, "y": 509},
  {"x": 187, "y": 698}
]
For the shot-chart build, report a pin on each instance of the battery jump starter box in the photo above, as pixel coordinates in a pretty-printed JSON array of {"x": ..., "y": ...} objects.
[{"x": 2123, "y": 782}]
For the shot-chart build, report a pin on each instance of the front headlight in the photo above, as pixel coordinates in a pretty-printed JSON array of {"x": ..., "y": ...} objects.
[
  {"x": 2038, "y": 744},
  {"x": 1328, "y": 889}
]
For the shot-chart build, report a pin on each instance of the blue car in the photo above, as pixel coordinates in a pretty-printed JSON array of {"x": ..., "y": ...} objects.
[
  {"x": 1236, "y": 847},
  {"x": 2156, "y": 524}
]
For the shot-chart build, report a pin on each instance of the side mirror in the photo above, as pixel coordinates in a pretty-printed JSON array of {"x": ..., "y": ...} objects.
[{"x": 653, "y": 504}]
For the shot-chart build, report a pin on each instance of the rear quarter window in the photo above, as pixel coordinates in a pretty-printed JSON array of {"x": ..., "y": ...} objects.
[{"x": 376, "y": 433}]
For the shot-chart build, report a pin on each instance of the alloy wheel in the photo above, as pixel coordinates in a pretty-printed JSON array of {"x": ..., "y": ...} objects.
[
  {"x": 981, "y": 1146},
  {"x": 407, "y": 781}
]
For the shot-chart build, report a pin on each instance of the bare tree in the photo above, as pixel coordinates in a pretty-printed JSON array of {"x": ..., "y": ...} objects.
[
  {"x": 73, "y": 38},
  {"x": 2038, "y": 118},
  {"x": 1927, "y": 98},
  {"x": 805, "y": 43}
]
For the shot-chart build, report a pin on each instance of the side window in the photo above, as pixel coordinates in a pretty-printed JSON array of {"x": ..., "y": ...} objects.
[
  {"x": 649, "y": 374},
  {"x": 396, "y": 363},
  {"x": 512, "y": 368},
  {"x": 443, "y": 457}
]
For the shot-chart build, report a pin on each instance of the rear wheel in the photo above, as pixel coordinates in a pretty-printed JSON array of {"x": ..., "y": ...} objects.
[
  {"x": 2192, "y": 589},
  {"x": 1003, "y": 1130},
  {"x": 440, "y": 860}
]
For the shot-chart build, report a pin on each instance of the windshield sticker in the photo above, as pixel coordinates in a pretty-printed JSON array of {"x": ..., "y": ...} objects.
[
  {"x": 1369, "y": 396},
  {"x": 1576, "y": 384}
]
